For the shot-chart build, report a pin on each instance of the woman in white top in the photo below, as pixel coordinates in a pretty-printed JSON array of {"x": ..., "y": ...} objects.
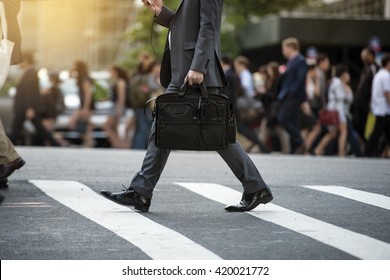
[{"x": 340, "y": 98}]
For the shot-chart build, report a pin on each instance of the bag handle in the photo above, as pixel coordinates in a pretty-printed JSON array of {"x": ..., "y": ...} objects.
[
  {"x": 185, "y": 87},
  {"x": 4, "y": 26}
]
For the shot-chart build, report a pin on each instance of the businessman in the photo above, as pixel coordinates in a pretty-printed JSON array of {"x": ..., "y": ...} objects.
[
  {"x": 292, "y": 93},
  {"x": 192, "y": 54}
]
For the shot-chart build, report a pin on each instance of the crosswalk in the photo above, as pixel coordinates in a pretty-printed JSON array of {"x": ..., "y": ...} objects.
[{"x": 160, "y": 242}]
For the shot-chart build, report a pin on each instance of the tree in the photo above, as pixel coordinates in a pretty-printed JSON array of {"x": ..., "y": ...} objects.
[{"x": 146, "y": 36}]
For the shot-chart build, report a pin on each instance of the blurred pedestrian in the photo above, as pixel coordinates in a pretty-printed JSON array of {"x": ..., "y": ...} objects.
[
  {"x": 143, "y": 85},
  {"x": 120, "y": 99},
  {"x": 322, "y": 73},
  {"x": 276, "y": 135},
  {"x": 340, "y": 98},
  {"x": 53, "y": 102},
  {"x": 28, "y": 104},
  {"x": 364, "y": 90},
  {"x": 241, "y": 65},
  {"x": 194, "y": 21},
  {"x": 380, "y": 106},
  {"x": 249, "y": 109},
  {"x": 292, "y": 93},
  {"x": 9, "y": 157},
  {"x": 234, "y": 89},
  {"x": 80, "y": 120}
]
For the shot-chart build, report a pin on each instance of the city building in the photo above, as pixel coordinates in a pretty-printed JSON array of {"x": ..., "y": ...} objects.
[
  {"x": 58, "y": 32},
  {"x": 340, "y": 28}
]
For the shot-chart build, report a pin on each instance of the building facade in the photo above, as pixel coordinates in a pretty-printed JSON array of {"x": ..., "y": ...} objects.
[
  {"x": 59, "y": 32},
  {"x": 351, "y": 8}
]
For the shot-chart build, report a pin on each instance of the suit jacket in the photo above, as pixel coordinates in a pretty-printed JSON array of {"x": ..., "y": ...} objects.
[
  {"x": 12, "y": 8},
  {"x": 293, "y": 82},
  {"x": 27, "y": 94},
  {"x": 194, "y": 42}
]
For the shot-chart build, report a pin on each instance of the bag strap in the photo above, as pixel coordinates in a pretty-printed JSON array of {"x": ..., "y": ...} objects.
[
  {"x": 4, "y": 25},
  {"x": 185, "y": 87},
  {"x": 153, "y": 112}
]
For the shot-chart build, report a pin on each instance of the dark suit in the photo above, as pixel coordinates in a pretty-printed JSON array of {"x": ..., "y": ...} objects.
[
  {"x": 12, "y": 8},
  {"x": 195, "y": 41},
  {"x": 292, "y": 93},
  {"x": 28, "y": 96},
  {"x": 195, "y": 44}
]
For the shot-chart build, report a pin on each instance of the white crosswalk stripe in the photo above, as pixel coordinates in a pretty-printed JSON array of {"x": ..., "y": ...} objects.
[
  {"x": 157, "y": 241},
  {"x": 353, "y": 243},
  {"x": 160, "y": 242},
  {"x": 357, "y": 195}
]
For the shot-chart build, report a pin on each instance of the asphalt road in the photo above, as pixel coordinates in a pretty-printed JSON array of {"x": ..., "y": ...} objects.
[{"x": 66, "y": 220}]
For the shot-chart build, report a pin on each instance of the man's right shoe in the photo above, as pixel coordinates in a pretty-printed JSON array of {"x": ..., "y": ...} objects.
[
  {"x": 129, "y": 197},
  {"x": 251, "y": 201},
  {"x": 4, "y": 184},
  {"x": 7, "y": 169}
]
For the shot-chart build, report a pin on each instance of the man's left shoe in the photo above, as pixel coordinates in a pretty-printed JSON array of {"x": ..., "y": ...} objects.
[
  {"x": 126, "y": 197},
  {"x": 251, "y": 201},
  {"x": 4, "y": 184},
  {"x": 7, "y": 169},
  {"x": 129, "y": 197}
]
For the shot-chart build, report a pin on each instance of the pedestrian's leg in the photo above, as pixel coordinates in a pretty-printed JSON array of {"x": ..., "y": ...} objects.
[
  {"x": 372, "y": 144},
  {"x": 243, "y": 168},
  {"x": 343, "y": 132},
  {"x": 319, "y": 150},
  {"x": 288, "y": 118},
  {"x": 140, "y": 139},
  {"x": 152, "y": 167},
  {"x": 313, "y": 134},
  {"x": 7, "y": 151},
  {"x": 353, "y": 140},
  {"x": 41, "y": 130},
  {"x": 17, "y": 126}
]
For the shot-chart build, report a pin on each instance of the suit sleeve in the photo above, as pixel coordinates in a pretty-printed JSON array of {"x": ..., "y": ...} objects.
[
  {"x": 210, "y": 17},
  {"x": 165, "y": 17}
]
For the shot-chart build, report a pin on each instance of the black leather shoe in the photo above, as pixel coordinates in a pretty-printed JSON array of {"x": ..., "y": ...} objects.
[
  {"x": 142, "y": 202},
  {"x": 8, "y": 168},
  {"x": 126, "y": 197},
  {"x": 1, "y": 198},
  {"x": 251, "y": 201},
  {"x": 4, "y": 184},
  {"x": 129, "y": 197}
]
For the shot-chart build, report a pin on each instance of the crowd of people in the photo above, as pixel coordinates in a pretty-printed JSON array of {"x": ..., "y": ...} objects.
[
  {"x": 308, "y": 106},
  {"x": 302, "y": 107},
  {"x": 128, "y": 92}
]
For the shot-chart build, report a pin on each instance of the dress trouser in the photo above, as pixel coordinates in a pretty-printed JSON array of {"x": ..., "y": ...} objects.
[
  {"x": 288, "y": 118},
  {"x": 155, "y": 159},
  {"x": 7, "y": 150}
]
